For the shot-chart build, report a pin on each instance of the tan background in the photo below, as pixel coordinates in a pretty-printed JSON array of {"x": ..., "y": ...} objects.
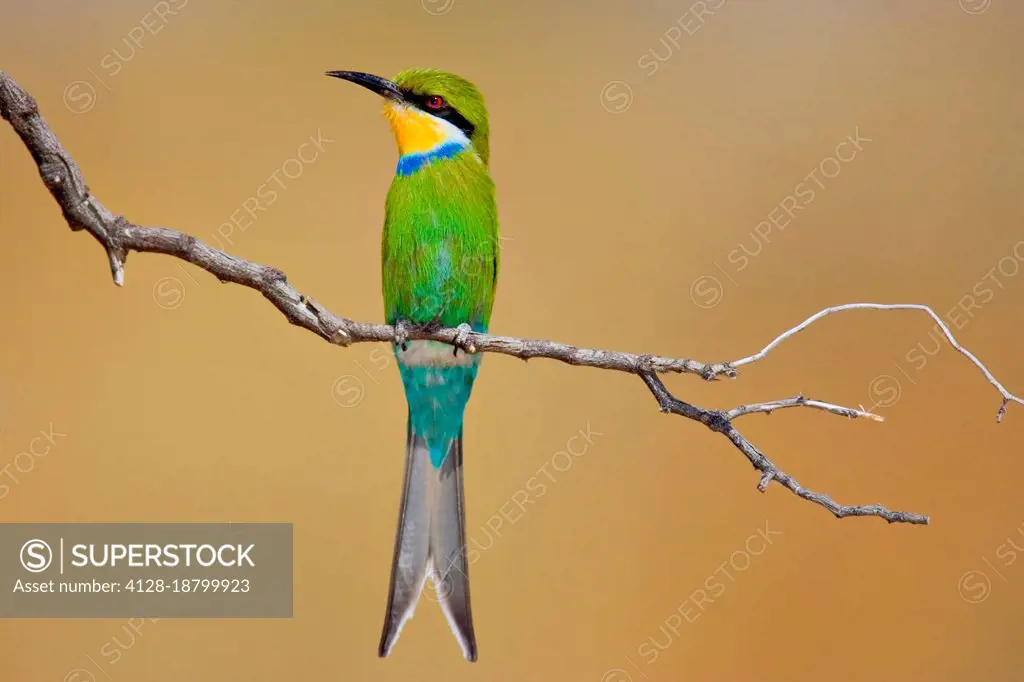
[{"x": 185, "y": 400}]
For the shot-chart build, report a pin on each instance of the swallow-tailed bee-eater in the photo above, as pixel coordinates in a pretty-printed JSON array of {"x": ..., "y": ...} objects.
[{"x": 439, "y": 257}]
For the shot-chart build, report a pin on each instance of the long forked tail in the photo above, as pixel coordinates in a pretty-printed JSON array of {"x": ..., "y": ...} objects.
[{"x": 431, "y": 539}]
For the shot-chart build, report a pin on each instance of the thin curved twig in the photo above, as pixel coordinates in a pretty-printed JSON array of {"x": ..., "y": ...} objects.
[{"x": 1007, "y": 396}]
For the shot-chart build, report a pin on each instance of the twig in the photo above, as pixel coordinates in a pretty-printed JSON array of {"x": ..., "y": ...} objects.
[
  {"x": 1007, "y": 396},
  {"x": 118, "y": 236},
  {"x": 800, "y": 401},
  {"x": 721, "y": 422}
]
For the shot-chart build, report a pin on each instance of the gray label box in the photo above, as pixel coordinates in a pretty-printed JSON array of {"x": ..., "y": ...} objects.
[{"x": 146, "y": 570}]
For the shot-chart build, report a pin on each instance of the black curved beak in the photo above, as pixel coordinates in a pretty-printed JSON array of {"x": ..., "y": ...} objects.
[{"x": 381, "y": 86}]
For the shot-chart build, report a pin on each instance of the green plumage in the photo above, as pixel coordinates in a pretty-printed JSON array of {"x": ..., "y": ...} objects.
[
  {"x": 440, "y": 251},
  {"x": 440, "y": 257}
]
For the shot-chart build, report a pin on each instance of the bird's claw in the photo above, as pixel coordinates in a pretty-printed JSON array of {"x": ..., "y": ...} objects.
[
  {"x": 463, "y": 336},
  {"x": 402, "y": 334}
]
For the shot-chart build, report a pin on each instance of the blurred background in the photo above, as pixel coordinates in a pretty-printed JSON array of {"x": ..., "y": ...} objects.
[{"x": 673, "y": 178}]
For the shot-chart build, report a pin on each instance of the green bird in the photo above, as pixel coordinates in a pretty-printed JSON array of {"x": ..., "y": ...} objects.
[{"x": 439, "y": 257}]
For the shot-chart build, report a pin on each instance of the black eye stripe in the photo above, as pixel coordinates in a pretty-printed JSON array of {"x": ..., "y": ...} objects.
[{"x": 447, "y": 111}]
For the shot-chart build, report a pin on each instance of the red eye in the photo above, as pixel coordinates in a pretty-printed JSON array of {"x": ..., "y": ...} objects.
[{"x": 434, "y": 102}]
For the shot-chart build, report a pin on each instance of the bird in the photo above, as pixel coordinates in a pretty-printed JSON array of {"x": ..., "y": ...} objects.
[{"x": 439, "y": 263}]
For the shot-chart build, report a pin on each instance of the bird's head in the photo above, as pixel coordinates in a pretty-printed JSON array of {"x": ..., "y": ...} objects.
[{"x": 428, "y": 108}]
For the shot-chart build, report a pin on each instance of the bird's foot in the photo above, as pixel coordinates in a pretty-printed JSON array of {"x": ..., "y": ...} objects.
[
  {"x": 463, "y": 339},
  {"x": 402, "y": 334}
]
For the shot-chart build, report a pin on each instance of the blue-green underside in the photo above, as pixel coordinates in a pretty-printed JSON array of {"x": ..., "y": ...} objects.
[{"x": 437, "y": 398}]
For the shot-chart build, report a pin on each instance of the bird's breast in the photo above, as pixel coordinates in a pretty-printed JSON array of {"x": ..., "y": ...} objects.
[{"x": 440, "y": 244}]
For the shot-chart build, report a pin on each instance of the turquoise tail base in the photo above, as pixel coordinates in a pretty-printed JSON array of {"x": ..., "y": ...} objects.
[{"x": 437, "y": 397}]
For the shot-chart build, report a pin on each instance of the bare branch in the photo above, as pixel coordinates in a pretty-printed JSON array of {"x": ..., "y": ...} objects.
[
  {"x": 721, "y": 422},
  {"x": 800, "y": 401},
  {"x": 118, "y": 237},
  {"x": 1007, "y": 396}
]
